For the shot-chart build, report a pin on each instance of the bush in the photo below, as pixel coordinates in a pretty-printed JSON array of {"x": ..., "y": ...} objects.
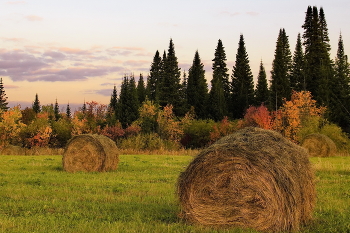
[
  {"x": 335, "y": 133},
  {"x": 62, "y": 132},
  {"x": 197, "y": 134}
]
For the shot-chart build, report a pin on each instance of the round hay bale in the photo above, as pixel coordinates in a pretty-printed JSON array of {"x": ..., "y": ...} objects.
[
  {"x": 90, "y": 153},
  {"x": 12, "y": 150},
  {"x": 319, "y": 145},
  {"x": 254, "y": 178}
]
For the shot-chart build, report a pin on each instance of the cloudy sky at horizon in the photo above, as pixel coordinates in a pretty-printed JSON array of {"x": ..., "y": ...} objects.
[{"x": 78, "y": 50}]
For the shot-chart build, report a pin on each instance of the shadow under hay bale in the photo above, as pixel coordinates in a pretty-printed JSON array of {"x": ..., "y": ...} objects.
[
  {"x": 90, "y": 153},
  {"x": 12, "y": 150},
  {"x": 253, "y": 178},
  {"x": 319, "y": 145}
]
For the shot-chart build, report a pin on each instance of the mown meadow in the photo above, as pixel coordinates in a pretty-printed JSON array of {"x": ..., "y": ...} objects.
[{"x": 36, "y": 195}]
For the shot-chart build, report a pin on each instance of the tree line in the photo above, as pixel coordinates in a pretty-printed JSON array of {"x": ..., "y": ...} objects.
[{"x": 309, "y": 68}]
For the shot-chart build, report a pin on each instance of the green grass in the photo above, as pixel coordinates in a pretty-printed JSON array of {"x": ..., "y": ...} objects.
[{"x": 36, "y": 195}]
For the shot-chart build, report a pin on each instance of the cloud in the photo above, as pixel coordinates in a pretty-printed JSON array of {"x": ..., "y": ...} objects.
[
  {"x": 33, "y": 18},
  {"x": 11, "y": 86},
  {"x": 127, "y": 51},
  {"x": 55, "y": 55},
  {"x": 136, "y": 63},
  {"x": 16, "y": 40},
  {"x": 104, "y": 92},
  {"x": 252, "y": 13},
  {"x": 19, "y": 66}
]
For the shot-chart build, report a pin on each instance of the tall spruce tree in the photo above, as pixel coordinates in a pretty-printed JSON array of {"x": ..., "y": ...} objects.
[
  {"x": 3, "y": 97},
  {"x": 197, "y": 87},
  {"x": 280, "y": 74},
  {"x": 242, "y": 82},
  {"x": 113, "y": 108},
  {"x": 318, "y": 65},
  {"x": 68, "y": 112},
  {"x": 128, "y": 101},
  {"x": 170, "y": 86},
  {"x": 219, "y": 94},
  {"x": 152, "y": 89},
  {"x": 57, "y": 114},
  {"x": 297, "y": 76},
  {"x": 36, "y": 104},
  {"x": 141, "y": 90},
  {"x": 339, "y": 108},
  {"x": 262, "y": 93}
]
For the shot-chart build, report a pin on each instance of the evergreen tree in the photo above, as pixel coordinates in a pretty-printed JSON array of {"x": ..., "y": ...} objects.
[
  {"x": 36, "y": 104},
  {"x": 57, "y": 111},
  {"x": 318, "y": 65},
  {"x": 170, "y": 86},
  {"x": 297, "y": 77},
  {"x": 113, "y": 108},
  {"x": 154, "y": 77},
  {"x": 339, "y": 108},
  {"x": 141, "y": 90},
  {"x": 113, "y": 103},
  {"x": 262, "y": 94},
  {"x": 184, "y": 107},
  {"x": 68, "y": 112},
  {"x": 3, "y": 97},
  {"x": 83, "y": 108},
  {"x": 280, "y": 74},
  {"x": 324, "y": 30},
  {"x": 197, "y": 87},
  {"x": 220, "y": 87},
  {"x": 242, "y": 82},
  {"x": 128, "y": 101}
]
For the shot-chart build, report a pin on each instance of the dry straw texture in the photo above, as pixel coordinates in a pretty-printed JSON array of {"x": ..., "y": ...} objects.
[
  {"x": 319, "y": 145},
  {"x": 253, "y": 178},
  {"x": 12, "y": 150},
  {"x": 90, "y": 153}
]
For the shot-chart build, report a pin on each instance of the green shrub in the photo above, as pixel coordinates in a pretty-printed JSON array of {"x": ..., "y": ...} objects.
[
  {"x": 197, "y": 134},
  {"x": 335, "y": 133},
  {"x": 62, "y": 132}
]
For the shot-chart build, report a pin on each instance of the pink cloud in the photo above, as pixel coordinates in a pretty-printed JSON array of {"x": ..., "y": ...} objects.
[
  {"x": 11, "y": 86},
  {"x": 252, "y": 13},
  {"x": 33, "y": 18},
  {"x": 16, "y": 40}
]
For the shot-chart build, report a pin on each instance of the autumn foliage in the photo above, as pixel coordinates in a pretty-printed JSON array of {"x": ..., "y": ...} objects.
[
  {"x": 295, "y": 114},
  {"x": 295, "y": 119}
]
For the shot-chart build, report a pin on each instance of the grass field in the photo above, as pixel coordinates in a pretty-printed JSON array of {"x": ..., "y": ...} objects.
[{"x": 36, "y": 195}]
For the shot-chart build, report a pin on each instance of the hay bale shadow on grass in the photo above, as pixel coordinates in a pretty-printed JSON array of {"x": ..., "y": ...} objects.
[
  {"x": 90, "y": 153},
  {"x": 319, "y": 145},
  {"x": 253, "y": 178}
]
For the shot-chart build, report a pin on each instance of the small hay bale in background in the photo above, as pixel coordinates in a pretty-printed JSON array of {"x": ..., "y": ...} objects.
[
  {"x": 12, "y": 150},
  {"x": 253, "y": 178},
  {"x": 319, "y": 145},
  {"x": 90, "y": 153}
]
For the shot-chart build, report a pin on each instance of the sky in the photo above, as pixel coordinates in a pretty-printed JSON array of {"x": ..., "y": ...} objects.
[{"x": 75, "y": 51}]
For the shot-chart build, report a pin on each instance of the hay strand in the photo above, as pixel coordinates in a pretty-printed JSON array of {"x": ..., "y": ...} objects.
[
  {"x": 253, "y": 178},
  {"x": 90, "y": 153},
  {"x": 319, "y": 145}
]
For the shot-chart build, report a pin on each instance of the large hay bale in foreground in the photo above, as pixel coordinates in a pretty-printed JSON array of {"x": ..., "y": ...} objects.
[
  {"x": 90, "y": 153},
  {"x": 319, "y": 145},
  {"x": 253, "y": 178}
]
